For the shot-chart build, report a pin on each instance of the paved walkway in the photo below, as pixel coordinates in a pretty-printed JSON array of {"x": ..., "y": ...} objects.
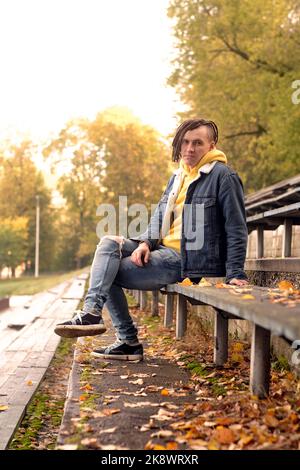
[
  {"x": 27, "y": 345},
  {"x": 120, "y": 405}
]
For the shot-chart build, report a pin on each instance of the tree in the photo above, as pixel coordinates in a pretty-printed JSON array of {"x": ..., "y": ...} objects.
[
  {"x": 20, "y": 183},
  {"x": 235, "y": 64},
  {"x": 111, "y": 156},
  {"x": 13, "y": 242}
]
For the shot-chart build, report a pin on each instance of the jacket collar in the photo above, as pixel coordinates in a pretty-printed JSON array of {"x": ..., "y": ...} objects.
[{"x": 203, "y": 169}]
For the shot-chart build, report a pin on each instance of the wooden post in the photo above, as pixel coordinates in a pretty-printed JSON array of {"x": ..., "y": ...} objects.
[
  {"x": 143, "y": 300},
  {"x": 169, "y": 306},
  {"x": 220, "y": 338},
  {"x": 181, "y": 316},
  {"x": 154, "y": 305},
  {"x": 287, "y": 238},
  {"x": 260, "y": 362},
  {"x": 137, "y": 297},
  {"x": 260, "y": 242}
]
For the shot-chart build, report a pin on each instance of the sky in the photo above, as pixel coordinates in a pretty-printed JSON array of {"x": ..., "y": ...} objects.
[{"x": 62, "y": 59}]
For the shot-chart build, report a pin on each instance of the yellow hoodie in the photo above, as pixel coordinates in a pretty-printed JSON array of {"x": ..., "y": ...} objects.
[{"x": 172, "y": 238}]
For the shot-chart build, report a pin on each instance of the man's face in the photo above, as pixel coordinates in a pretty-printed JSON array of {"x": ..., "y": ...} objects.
[{"x": 195, "y": 144}]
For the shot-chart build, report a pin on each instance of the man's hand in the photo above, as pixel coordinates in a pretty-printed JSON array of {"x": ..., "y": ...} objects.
[
  {"x": 239, "y": 282},
  {"x": 140, "y": 256}
]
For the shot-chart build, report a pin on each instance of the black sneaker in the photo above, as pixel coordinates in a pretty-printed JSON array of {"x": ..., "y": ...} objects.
[
  {"x": 83, "y": 324},
  {"x": 122, "y": 350}
]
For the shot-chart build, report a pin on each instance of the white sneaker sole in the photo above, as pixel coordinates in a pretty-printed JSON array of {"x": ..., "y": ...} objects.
[
  {"x": 74, "y": 331},
  {"x": 122, "y": 357}
]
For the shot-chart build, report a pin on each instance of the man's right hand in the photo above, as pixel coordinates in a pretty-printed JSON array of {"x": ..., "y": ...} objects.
[{"x": 140, "y": 256}]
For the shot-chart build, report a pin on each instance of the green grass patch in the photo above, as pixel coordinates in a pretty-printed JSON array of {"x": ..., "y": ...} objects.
[
  {"x": 41, "y": 409},
  {"x": 280, "y": 364},
  {"x": 28, "y": 285},
  {"x": 197, "y": 368}
]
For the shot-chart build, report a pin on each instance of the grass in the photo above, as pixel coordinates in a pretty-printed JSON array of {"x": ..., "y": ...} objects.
[{"x": 31, "y": 285}]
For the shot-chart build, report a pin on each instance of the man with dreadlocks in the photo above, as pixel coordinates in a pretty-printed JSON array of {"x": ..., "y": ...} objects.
[{"x": 198, "y": 229}]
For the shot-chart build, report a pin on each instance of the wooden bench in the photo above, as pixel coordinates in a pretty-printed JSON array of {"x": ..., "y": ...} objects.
[{"x": 266, "y": 317}]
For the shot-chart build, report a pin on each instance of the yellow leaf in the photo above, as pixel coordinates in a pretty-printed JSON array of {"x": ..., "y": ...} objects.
[
  {"x": 86, "y": 387},
  {"x": 238, "y": 347},
  {"x": 165, "y": 392},
  {"x": 213, "y": 445},
  {"x": 3, "y": 407},
  {"x": 248, "y": 297},
  {"x": 285, "y": 285},
  {"x": 237, "y": 357},
  {"x": 204, "y": 283},
  {"x": 186, "y": 282},
  {"x": 271, "y": 421},
  {"x": 29, "y": 382}
]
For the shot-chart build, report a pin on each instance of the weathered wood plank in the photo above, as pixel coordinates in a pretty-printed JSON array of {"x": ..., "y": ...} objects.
[
  {"x": 143, "y": 300},
  {"x": 169, "y": 307},
  {"x": 260, "y": 311},
  {"x": 260, "y": 362},
  {"x": 220, "y": 338},
  {"x": 26, "y": 356},
  {"x": 287, "y": 238},
  {"x": 288, "y": 265},
  {"x": 154, "y": 304},
  {"x": 181, "y": 316}
]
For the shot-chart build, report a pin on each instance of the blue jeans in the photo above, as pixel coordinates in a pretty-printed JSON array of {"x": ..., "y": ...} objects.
[{"x": 113, "y": 269}]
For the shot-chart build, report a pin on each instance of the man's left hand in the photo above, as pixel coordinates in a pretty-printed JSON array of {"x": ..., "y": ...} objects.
[{"x": 239, "y": 282}]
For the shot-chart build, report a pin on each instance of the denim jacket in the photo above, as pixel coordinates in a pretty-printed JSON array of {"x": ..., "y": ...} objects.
[{"x": 219, "y": 190}]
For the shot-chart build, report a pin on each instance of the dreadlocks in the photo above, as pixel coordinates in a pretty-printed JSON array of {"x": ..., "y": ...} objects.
[{"x": 189, "y": 125}]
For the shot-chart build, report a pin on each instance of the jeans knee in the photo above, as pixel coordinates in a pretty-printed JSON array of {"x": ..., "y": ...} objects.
[{"x": 111, "y": 240}]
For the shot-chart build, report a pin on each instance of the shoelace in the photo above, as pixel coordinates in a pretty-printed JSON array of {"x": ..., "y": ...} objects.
[
  {"x": 114, "y": 345},
  {"x": 78, "y": 316}
]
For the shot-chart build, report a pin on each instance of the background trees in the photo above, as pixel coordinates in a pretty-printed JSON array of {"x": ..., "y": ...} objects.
[{"x": 235, "y": 63}]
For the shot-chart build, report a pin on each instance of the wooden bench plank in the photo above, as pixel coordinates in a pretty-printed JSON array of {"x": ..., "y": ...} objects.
[{"x": 260, "y": 311}]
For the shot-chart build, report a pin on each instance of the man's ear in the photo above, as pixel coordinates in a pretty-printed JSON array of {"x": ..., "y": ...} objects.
[{"x": 212, "y": 146}]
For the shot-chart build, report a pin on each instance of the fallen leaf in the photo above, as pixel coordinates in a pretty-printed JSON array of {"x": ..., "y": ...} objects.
[
  {"x": 3, "y": 407},
  {"x": 29, "y": 382},
  {"x": 224, "y": 435},
  {"x": 162, "y": 433},
  {"x": 136, "y": 382},
  {"x": 107, "y": 431},
  {"x": 248, "y": 297},
  {"x": 285, "y": 285},
  {"x": 185, "y": 282},
  {"x": 112, "y": 411},
  {"x": 163, "y": 415},
  {"x": 271, "y": 421},
  {"x": 67, "y": 447},
  {"x": 204, "y": 283}
]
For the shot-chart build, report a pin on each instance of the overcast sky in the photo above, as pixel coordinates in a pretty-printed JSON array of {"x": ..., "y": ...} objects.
[{"x": 69, "y": 58}]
